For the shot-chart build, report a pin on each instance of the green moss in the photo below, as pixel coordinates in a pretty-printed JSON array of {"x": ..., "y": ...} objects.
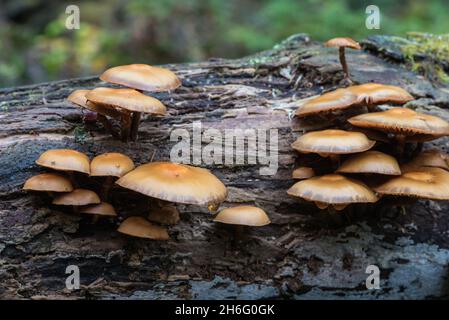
[
  {"x": 80, "y": 134},
  {"x": 428, "y": 54}
]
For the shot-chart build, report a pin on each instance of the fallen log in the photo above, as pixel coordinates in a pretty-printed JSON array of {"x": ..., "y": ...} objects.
[{"x": 301, "y": 255}]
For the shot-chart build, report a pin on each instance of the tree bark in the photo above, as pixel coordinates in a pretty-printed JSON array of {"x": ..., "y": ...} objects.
[{"x": 303, "y": 254}]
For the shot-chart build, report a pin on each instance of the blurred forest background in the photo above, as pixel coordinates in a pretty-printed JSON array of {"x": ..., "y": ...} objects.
[{"x": 35, "y": 46}]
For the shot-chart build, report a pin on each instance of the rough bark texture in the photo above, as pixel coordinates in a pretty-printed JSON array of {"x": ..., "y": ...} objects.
[{"x": 301, "y": 255}]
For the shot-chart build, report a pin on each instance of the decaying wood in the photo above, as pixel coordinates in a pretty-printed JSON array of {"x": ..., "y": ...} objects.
[{"x": 302, "y": 255}]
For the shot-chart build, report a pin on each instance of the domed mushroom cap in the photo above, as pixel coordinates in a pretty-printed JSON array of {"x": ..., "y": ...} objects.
[
  {"x": 64, "y": 159},
  {"x": 403, "y": 121},
  {"x": 142, "y": 228},
  {"x": 429, "y": 158},
  {"x": 371, "y": 162},
  {"x": 243, "y": 215},
  {"x": 343, "y": 42},
  {"x": 332, "y": 189},
  {"x": 78, "y": 97},
  {"x": 303, "y": 173},
  {"x": 333, "y": 141},
  {"x": 111, "y": 164},
  {"x": 142, "y": 77},
  {"x": 330, "y": 101},
  {"x": 101, "y": 209},
  {"x": 375, "y": 93},
  {"x": 50, "y": 182},
  {"x": 425, "y": 182},
  {"x": 78, "y": 197},
  {"x": 129, "y": 99},
  {"x": 175, "y": 183}
]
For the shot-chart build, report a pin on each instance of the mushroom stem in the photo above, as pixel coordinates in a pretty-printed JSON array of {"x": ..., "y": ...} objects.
[
  {"x": 238, "y": 233},
  {"x": 418, "y": 149},
  {"x": 106, "y": 188},
  {"x": 344, "y": 65},
  {"x": 135, "y": 122},
  {"x": 401, "y": 145},
  {"x": 335, "y": 160},
  {"x": 72, "y": 179},
  {"x": 107, "y": 125},
  {"x": 125, "y": 125}
]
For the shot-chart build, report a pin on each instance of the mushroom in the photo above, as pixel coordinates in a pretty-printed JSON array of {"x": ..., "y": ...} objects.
[
  {"x": 403, "y": 123},
  {"x": 373, "y": 94},
  {"x": 142, "y": 228},
  {"x": 167, "y": 214},
  {"x": 331, "y": 101},
  {"x": 303, "y": 173},
  {"x": 179, "y": 183},
  {"x": 242, "y": 216},
  {"x": 332, "y": 191},
  {"x": 48, "y": 182},
  {"x": 332, "y": 142},
  {"x": 141, "y": 77},
  {"x": 78, "y": 97},
  {"x": 341, "y": 44},
  {"x": 76, "y": 198},
  {"x": 103, "y": 209},
  {"x": 127, "y": 101},
  {"x": 371, "y": 162},
  {"x": 110, "y": 165},
  {"x": 426, "y": 182},
  {"x": 65, "y": 160},
  {"x": 429, "y": 158}
]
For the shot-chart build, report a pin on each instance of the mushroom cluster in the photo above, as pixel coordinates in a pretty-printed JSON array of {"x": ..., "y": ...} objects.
[
  {"x": 373, "y": 154},
  {"x": 126, "y": 105},
  {"x": 164, "y": 183}
]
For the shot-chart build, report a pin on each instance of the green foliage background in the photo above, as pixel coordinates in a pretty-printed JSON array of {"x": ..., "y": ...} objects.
[{"x": 35, "y": 46}]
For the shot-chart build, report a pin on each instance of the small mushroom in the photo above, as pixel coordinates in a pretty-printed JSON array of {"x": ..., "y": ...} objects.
[
  {"x": 110, "y": 165},
  {"x": 403, "y": 123},
  {"x": 426, "y": 182},
  {"x": 429, "y": 158},
  {"x": 77, "y": 198},
  {"x": 331, "y": 101},
  {"x": 332, "y": 143},
  {"x": 178, "y": 183},
  {"x": 142, "y": 228},
  {"x": 142, "y": 77},
  {"x": 241, "y": 217},
  {"x": 303, "y": 173},
  {"x": 332, "y": 190},
  {"x": 371, "y": 162},
  {"x": 48, "y": 182},
  {"x": 167, "y": 214},
  {"x": 341, "y": 44},
  {"x": 127, "y": 101},
  {"x": 101, "y": 209}
]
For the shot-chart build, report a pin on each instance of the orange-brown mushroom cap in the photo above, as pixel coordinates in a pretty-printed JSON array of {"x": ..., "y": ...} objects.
[
  {"x": 333, "y": 141},
  {"x": 175, "y": 183},
  {"x": 78, "y": 97},
  {"x": 101, "y": 209},
  {"x": 78, "y": 197},
  {"x": 425, "y": 182},
  {"x": 330, "y": 101},
  {"x": 402, "y": 121},
  {"x": 343, "y": 42},
  {"x": 50, "y": 182},
  {"x": 428, "y": 158},
  {"x": 303, "y": 173},
  {"x": 371, "y": 162},
  {"x": 243, "y": 215},
  {"x": 64, "y": 159},
  {"x": 376, "y": 93},
  {"x": 142, "y": 228},
  {"x": 128, "y": 99},
  {"x": 142, "y": 77},
  {"x": 111, "y": 164},
  {"x": 333, "y": 189}
]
